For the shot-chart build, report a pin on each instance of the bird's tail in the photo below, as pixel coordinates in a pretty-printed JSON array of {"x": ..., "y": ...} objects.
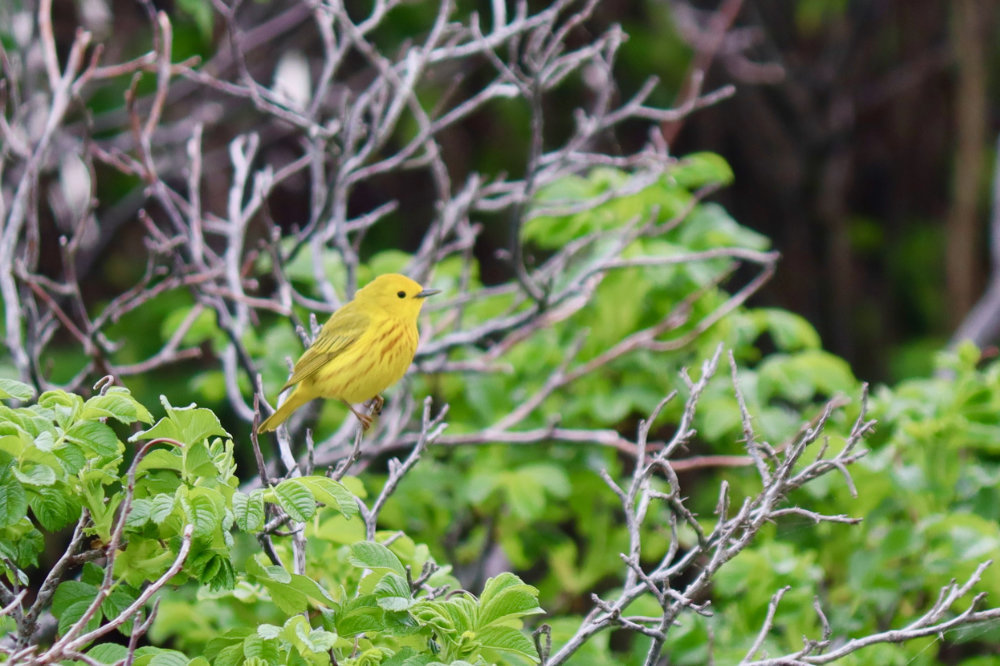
[{"x": 293, "y": 402}]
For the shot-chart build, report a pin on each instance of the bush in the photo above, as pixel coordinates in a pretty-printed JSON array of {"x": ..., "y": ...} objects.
[{"x": 597, "y": 425}]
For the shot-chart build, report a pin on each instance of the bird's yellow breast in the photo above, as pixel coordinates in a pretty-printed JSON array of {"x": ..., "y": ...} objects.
[{"x": 378, "y": 360}]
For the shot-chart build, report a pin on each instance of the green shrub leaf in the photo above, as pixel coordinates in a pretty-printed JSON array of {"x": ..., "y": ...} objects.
[
  {"x": 293, "y": 496},
  {"x": 11, "y": 388},
  {"x": 13, "y": 501},
  {"x": 371, "y": 555},
  {"x": 249, "y": 510},
  {"x": 96, "y": 437}
]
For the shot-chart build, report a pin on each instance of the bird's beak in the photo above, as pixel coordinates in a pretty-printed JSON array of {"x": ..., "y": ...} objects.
[{"x": 427, "y": 292}]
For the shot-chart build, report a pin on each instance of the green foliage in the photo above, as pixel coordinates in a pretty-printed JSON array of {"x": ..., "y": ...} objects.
[
  {"x": 62, "y": 462},
  {"x": 927, "y": 490}
]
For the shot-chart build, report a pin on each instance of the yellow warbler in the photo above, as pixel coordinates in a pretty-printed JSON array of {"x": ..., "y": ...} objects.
[{"x": 364, "y": 348}]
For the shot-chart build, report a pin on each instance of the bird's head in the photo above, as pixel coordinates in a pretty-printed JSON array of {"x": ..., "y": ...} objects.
[{"x": 394, "y": 293}]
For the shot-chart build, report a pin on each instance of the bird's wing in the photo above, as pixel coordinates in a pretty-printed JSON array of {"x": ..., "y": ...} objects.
[{"x": 342, "y": 331}]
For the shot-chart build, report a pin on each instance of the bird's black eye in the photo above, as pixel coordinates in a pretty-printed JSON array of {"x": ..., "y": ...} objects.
[{"x": 401, "y": 294}]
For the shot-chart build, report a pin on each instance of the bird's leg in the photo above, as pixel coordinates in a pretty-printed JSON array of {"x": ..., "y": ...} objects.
[
  {"x": 366, "y": 421},
  {"x": 377, "y": 402}
]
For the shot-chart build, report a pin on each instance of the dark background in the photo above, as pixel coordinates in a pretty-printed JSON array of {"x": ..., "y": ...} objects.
[{"x": 861, "y": 135}]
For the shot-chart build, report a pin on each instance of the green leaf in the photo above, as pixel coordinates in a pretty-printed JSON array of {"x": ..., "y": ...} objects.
[
  {"x": 261, "y": 648},
  {"x": 21, "y": 544},
  {"x": 371, "y": 555},
  {"x": 121, "y": 597},
  {"x": 798, "y": 377},
  {"x": 72, "y": 457},
  {"x": 331, "y": 493},
  {"x": 202, "y": 513},
  {"x": 198, "y": 462},
  {"x": 287, "y": 598},
  {"x": 361, "y": 615},
  {"x": 74, "y": 612},
  {"x": 311, "y": 589},
  {"x": 307, "y": 640},
  {"x": 509, "y": 640},
  {"x": 249, "y": 510},
  {"x": 505, "y": 596},
  {"x": 96, "y": 437},
  {"x": 117, "y": 403},
  {"x": 13, "y": 501},
  {"x": 184, "y": 424},
  {"x": 699, "y": 169},
  {"x": 393, "y": 593},
  {"x": 268, "y": 631},
  {"x": 161, "y": 657},
  {"x": 295, "y": 499},
  {"x": 138, "y": 515},
  {"x": 108, "y": 653},
  {"x": 231, "y": 655},
  {"x": 789, "y": 331},
  {"x": 71, "y": 601},
  {"x": 35, "y": 474},
  {"x": 70, "y": 592},
  {"x": 11, "y": 388},
  {"x": 168, "y": 458},
  {"x": 160, "y": 507},
  {"x": 287, "y": 591},
  {"x": 54, "y": 507}
]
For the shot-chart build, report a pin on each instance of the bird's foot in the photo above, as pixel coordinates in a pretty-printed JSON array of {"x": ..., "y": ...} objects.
[
  {"x": 377, "y": 403},
  {"x": 365, "y": 419}
]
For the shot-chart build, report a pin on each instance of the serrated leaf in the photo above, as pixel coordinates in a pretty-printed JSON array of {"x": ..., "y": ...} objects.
[
  {"x": 261, "y": 648},
  {"x": 360, "y": 620},
  {"x": 96, "y": 437},
  {"x": 11, "y": 388},
  {"x": 72, "y": 613},
  {"x": 108, "y": 653},
  {"x": 311, "y": 589},
  {"x": 185, "y": 424},
  {"x": 165, "y": 658},
  {"x": 70, "y": 592},
  {"x": 461, "y": 610},
  {"x": 36, "y": 475},
  {"x": 287, "y": 598},
  {"x": 202, "y": 514},
  {"x": 371, "y": 555},
  {"x": 13, "y": 501},
  {"x": 138, "y": 514},
  {"x": 268, "y": 630},
  {"x": 393, "y": 593},
  {"x": 72, "y": 458},
  {"x": 507, "y": 639},
  {"x": 332, "y": 494},
  {"x": 117, "y": 403},
  {"x": 249, "y": 510},
  {"x": 54, "y": 507},
  {"x": 512, "y": 602},
  {"x": 229, "y": 656},
  {"x": 161, "y": 459},
  {"x": 198, "y": 462},
  {"x": 295, "y": 499},
  {"x": 160, "y": 508},
  {"x": 121, "y": 597},
  {"x": 224, "y": 576},
  {"x": 45, "y": 441}
]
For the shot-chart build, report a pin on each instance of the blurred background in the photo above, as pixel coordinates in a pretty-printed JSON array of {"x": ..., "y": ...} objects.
[{"x": 861, "y": 134}]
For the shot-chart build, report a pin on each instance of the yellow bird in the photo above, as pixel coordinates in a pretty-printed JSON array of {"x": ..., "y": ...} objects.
[{"x": 364, "y": 348}]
